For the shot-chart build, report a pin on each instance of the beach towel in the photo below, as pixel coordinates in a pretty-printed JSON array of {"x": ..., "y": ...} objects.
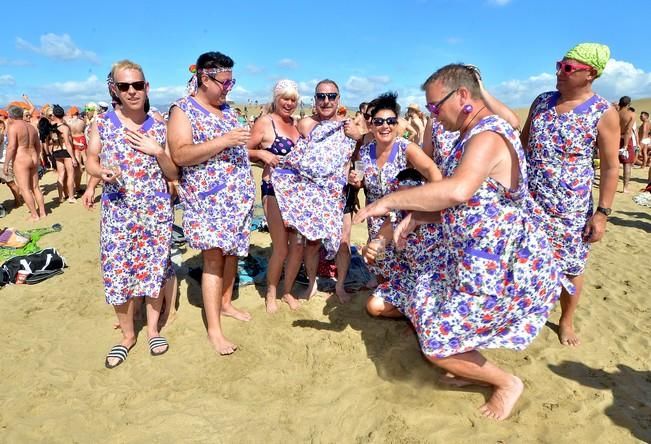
[
  {"x": 31, "y": 246},
  {"x": 251, "y": 269}
]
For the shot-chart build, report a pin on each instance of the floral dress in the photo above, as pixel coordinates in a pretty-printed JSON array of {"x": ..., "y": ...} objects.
[
  {"x": 309, "y": 184},
  {"x": 378, "y": 182},
  {"x": 500, "y": 281},
  {"x": 136, "y": 220},
  {"x": 218, "y": 194},
  {"x": 559, "y": 165},
  {"x": 442, "y": 142}
]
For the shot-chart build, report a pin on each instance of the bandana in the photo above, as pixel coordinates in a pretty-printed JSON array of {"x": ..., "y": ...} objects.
[
  {"x": 193, "y": 83},
  {"x": 592, "y": 54},
  {"x": 284, "y": 85}
]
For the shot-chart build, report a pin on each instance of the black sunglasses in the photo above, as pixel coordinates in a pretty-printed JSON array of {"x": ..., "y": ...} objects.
[
  {"x": 330, "y": 96},
  {"x": 124, "y": 86},
  {"x": 379, "y": 121},
  {"x": 367, "y": 116}
]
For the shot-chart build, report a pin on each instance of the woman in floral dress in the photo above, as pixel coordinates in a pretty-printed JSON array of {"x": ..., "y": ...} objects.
[
  {"x": 209, "y": 144},
  {"x": 501, "y": 281},
  {"x": 126, "y": 150}
]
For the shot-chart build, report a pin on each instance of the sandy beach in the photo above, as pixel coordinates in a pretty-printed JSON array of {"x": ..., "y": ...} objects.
[{"x": 325, "y": 373}]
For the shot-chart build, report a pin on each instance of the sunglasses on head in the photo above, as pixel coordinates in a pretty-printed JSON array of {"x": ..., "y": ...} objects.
[
  {"x": 227, "y": 85},
  {"x": 330, "y": 96},
  {"x": 569, "y": 68},
  {"x": 435, "y": 108},
  {"x": 379, "y": 121},
  {"x": 124, "y": 86}
]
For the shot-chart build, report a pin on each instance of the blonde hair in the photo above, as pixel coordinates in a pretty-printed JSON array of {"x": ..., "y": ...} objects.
[
  {"x": 125, "y": 64},
  {"x": 284, "y": 89}
]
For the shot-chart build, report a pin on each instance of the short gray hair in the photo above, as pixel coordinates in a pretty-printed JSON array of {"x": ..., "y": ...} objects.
[
  {"x": 16, "y": 112},
  {"x": 454, "y": 76}
]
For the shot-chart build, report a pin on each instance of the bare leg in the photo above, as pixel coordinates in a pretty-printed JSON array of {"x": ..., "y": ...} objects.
[
  {"x": 569, "y": 303},
  {"x": 230, "y": 271},
  {"x": 153, "y": 314},
  {"x": 279, "y": 241},
  {"x": 343, "y": 261},
  {"x": 474, "y": 367},
  {"x": 211, "y": 292},
  {"x": 627, "y": 176},
  {"x": 70, "y": 180},
  {"x": 18, "y": 200},
  {"x": 38, "y": 196},
  {"x": 311, "y": 259},
  {"x": 61, "y": 177},
  {"x": 77, "y": 170},
  {"x": 24, "y": 173},
  {"x": 124, "y": 313},
  {"x": 376, "y": 306},
  {"x": 294, "y": 260},
  {"x": 169, "y": 293}
]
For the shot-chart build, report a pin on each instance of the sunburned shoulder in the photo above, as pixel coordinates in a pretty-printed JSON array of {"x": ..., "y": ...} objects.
[{"x": 306, "y": 124}]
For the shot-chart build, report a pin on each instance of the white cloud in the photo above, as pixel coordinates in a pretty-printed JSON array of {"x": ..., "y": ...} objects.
[
  {"x": 499, "y": 2},
  {"x": 165, "y": 95},
  {"x": 287, "y": 63},
  {"x": 453, "y": 40},
  {"x": 364, "y": 85},
  {"x": 7, "y": 80},
  {"x": 307, "y": 87},
  {"x": 519, "y": 93},
  {"x": 59, "y": 47},
  {"x": 253, "y": 69},
  {"x": 618, "y": 79},
  {"x": 7, "y": 62}
]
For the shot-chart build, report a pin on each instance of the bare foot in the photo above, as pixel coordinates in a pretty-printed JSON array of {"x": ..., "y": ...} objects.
[
  {"x": 453, "y": 380},
  {"x": 343, "y": 296},
  {"x": 290, "y": 300},
  {"x": 311, "y": 291},
  {"x": 566, "y": 334},
  {"x": 31, "y": 218},
  {"x": 221, "y": 345},
  {"x": 503, "y": 400},
  {"x": 270, "y": 304},
  {"x": 626, "y": 191},
  {"x": 72, "y": 200},
  {"x": 232, "y": 312},
  {"x": 116, "y": 325}
]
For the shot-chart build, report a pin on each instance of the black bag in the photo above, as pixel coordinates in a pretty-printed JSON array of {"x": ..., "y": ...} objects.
[{"x": 40, "y": 265}]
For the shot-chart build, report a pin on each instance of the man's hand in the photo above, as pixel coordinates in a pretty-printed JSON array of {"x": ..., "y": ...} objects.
[{"x": 595, "y": 228}]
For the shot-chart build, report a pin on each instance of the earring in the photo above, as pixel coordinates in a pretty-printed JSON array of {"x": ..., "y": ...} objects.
[{"x": 467, "y": 109}]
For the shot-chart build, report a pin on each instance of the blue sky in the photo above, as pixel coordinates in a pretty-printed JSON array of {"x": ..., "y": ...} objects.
[{"x": 367, "y": 47}]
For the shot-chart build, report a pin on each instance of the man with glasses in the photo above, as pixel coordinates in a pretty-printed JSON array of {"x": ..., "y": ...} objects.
[
  {"x": 310, "y": 183},
  {"x": 563, "y": 130}
]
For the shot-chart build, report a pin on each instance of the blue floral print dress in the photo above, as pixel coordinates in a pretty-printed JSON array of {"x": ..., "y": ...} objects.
[
  {"x": 500, "y": 281},
  {"x": 309, "y": 183},
  {"x": 136, "y": 220},
  {"x": 559, "y": 164},
  {"x": 219, "y": 193}
]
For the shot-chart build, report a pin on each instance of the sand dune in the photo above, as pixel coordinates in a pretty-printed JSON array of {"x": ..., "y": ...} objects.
[{"x": 325, "y": 373}]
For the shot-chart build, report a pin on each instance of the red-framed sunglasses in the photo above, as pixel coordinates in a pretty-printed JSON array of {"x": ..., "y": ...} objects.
[{"x": 569, "y": 68}]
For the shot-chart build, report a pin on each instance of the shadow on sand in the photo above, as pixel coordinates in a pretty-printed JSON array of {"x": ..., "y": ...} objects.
[{"x": 631, "y": 391}]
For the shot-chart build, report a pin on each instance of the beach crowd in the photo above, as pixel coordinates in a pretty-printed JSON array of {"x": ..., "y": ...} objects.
[{"x": 478, "y": 223}]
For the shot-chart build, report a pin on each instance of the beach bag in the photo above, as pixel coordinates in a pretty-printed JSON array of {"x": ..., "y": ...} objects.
[{"x": 41, "y": 265}]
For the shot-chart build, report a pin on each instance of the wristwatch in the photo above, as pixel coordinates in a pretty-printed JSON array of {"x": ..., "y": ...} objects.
[{"x": 604, "y": 211}]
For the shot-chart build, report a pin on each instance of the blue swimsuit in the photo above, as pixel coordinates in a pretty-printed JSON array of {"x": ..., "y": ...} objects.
[{"x": 281, "y": 146}]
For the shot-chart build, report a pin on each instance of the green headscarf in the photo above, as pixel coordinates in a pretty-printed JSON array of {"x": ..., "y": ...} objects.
[{"x": 593, "y": 54}]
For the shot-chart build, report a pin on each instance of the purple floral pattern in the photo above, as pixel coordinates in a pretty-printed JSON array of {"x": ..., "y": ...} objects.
[
  {"x": 136, "y": 219},
  {"x": 379, "y": 182},
  {"x": 309, "y": 183},
  {"x": 222, "y": 189},
  {"x": 559, "y": 163},
  {"x": 498, "y": 280}
]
